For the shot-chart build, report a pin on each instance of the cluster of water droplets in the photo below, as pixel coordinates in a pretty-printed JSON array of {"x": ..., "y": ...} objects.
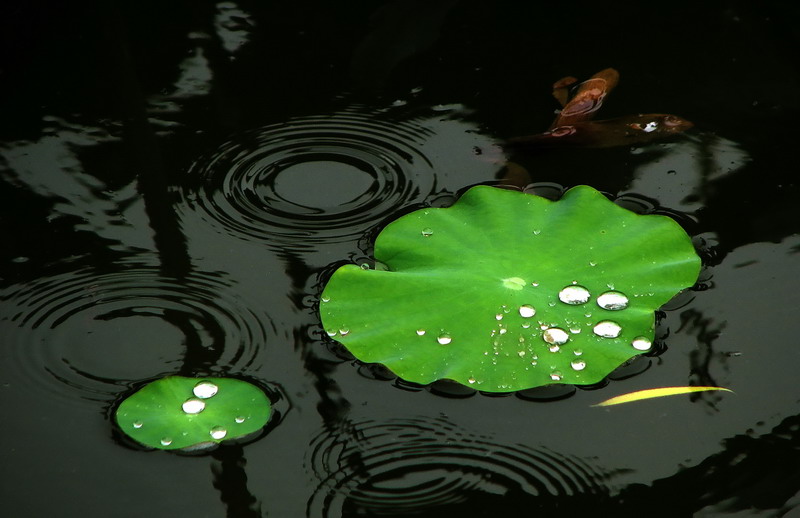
[
  {"x": 534, "y": 331},
  {"x": 202, "y": 392},
  {"x": 554, "y": 336}
]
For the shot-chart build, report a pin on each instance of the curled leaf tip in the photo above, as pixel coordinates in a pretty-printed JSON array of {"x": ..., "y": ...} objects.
[{"x": 654, "y": 393}]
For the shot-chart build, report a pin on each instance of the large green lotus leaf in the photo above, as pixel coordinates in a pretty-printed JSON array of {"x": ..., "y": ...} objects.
[
  {"x": 178, "y": 412},
  {"x": 461, "y": 283}
]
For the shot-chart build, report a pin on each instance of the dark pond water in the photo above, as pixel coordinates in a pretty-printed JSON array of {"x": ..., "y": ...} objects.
[{"x": 177, "y": 179}]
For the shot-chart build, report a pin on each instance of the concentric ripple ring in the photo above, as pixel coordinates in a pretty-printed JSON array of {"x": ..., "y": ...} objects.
[
  {"x": 88, "y": 333},
  {"x": 312, "y": 180},
  {"x": 401, "y": 467}
]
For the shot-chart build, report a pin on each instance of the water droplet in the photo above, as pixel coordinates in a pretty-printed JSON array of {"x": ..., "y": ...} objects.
[
  {"x": 503, "y": 331},
  {"x": 364, "y": 266},
  {"x": 534, "y": 284},
  {"x": 526, "y": 325},
  {"x": 514, "y": 283},
  {"x": 527, "y": 311},
  {"x": 330, "y": 332},
  {"x": 556, "y": 376},
  {"x": 498, "y": 316},
  {"x": 574, "y": 295},
  {"x": 521, "y": 354},
  {"x": 592, "y": 263},
  {"x": 641, "y": 343},
  {"x": 607, "y": 329},
  {"x": 578, "y": 365},
  {"x": 137, "y": 424},
  {"x": 239, "y": 419},
  {"x": 574, "y": 330},
  {"x": 577, "y": 352},
  {"x": 555, "y": 336},
  {"x": 612, "y": 301},
  {"x": 420, "y": 332},
  {"x": 444, "y": 339},
  {"x": 471, "y": 380},
  {"x": 537, "y": 232},
  {"x": 218, "y": 432},
  {"x": 554, "y": 348},
  {"x": 325, "y": 298},
  {"x": 193, "y": 406},
  {"x": 166, "y": 441},
  {"x": 344, "y": 331},
  {"x": 427, "y": 232},
  {"x": 205, "y": 390}
]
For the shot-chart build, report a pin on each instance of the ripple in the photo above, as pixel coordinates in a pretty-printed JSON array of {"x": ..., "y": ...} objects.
[
  {"x": 402, "y": 467},
  {"x": 311, "y": 180},
  {"x": 89, "y": 332}
]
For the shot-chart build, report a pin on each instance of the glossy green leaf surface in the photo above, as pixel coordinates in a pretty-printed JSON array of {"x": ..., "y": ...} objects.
[
  {"x": 178, "y": 412},
  {"x": 490, "y": 292}
]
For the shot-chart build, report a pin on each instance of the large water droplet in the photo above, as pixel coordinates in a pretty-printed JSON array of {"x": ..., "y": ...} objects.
[
  {"x": 641, "y": 343},
  {"x": 612, "y": 301},
  {"x": 555, "y": 336},
  {"x": 578, "y": 365},
  {"x": 218, "y": 432},
  {"x": 205, "y": 390},
  {"x": 574, "y": 295},
  {"x": 427, "y": 232},
  {"x": 607, "y": 329},
  {"x": 556, "y": 376},
  {"x": 193, "y": 406},
  {"x": 420, "y": 332},
  {"x": 344, "y": 331},
  {"x": 444, "y": 339},
  {"x": 527, "y": 311},
  {"x": 166, "y": 441}
]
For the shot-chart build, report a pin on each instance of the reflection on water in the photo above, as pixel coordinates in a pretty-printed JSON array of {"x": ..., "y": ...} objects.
[
  {"x": 85, "y": 333},
  {"x": 402, "y": 467}
]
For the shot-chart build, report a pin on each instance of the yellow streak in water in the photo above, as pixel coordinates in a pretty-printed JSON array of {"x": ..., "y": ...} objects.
[{"x": 656, "y": 392}]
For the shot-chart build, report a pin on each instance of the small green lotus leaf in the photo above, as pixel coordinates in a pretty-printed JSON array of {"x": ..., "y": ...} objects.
[
  {"x": 507, "y": 291},
  {"x": 178, "y": 412}
]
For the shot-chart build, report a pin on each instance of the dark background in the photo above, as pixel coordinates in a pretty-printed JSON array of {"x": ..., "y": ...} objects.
[{"x": 148, "y": 228}]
